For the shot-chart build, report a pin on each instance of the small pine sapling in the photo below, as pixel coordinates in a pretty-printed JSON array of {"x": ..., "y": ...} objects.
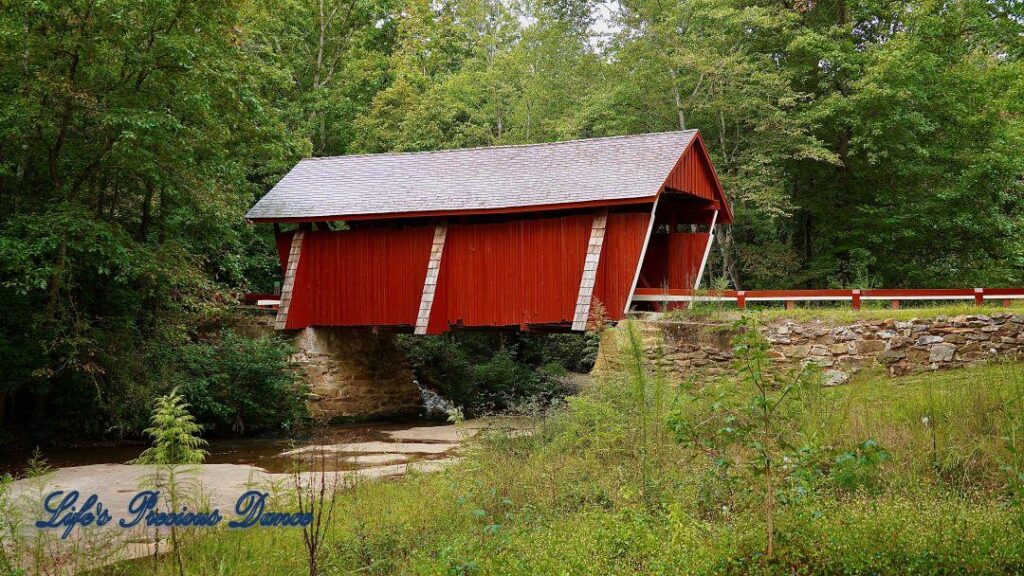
[
  {"x": 176, "y": 441},
  {"x": 765, "y": 435},
  {"x": 175, "y": 434}
]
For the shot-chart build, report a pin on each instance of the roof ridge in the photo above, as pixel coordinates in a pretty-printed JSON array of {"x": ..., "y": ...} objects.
[{"x": 498, "y": 147}]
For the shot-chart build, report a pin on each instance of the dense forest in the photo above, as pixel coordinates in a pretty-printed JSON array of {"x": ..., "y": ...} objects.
[{"x": 869, "y": 143}]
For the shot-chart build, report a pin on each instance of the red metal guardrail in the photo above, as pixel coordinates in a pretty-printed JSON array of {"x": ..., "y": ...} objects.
[
  {"x": 789, "y": 297},
  {"x": 855, "y": 297}
]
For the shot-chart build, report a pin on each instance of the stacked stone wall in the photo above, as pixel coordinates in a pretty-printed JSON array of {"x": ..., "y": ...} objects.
[
  {"x": 355, "y": 375},
  {"x": 901, "y": 347}
]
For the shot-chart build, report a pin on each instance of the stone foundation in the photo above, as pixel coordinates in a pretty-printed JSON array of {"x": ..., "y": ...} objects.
[
  {"x": 355, "y": 375},
  {"x": 901, "y": 347}
]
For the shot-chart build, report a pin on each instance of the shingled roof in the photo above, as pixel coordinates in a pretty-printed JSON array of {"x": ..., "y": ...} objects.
[{"x": 476, "y": 180}]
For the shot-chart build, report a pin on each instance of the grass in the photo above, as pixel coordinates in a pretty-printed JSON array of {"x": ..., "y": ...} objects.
[
  {"x": 603, "y": 487},
  {"x": 835, "y": 313}
]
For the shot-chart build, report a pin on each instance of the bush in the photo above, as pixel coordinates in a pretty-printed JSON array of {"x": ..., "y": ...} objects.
[
  {"x": 241, "y": 385},
  {"x": 483, "y": 372},
  {"x": 573, "y": 352}
]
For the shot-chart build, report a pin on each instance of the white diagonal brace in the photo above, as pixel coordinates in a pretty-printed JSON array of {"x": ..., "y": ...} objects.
[
  {"x": 430, "y": 284},
  {"x": 707, "y": 251},
  {"x": 586, "y": 293},
  {"x": 289, "y": 280},
  {"x": 643, "y": 254}
]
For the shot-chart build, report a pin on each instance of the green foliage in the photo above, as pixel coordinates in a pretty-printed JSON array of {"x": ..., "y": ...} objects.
[
  {"x": 175, "y": 434},
  {"x": 135, "y": 134},
  {"x": 242, "y": 385},
  {"x": 1011, "y": 426},
  {"x": 760, "y": 424},
  {"x": 491, "y": 372},
  {"x": 572, "y": 352},
  {"x": 569, "y": 498},
  {"x": 857, "y": 469}
]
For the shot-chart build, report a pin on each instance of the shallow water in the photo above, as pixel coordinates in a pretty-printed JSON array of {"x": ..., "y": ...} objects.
[{"x": 262, "y": 452}]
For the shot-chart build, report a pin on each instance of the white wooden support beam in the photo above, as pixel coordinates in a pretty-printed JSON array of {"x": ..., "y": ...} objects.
[
  {"x": 707, "y": 250},
  {"x": 430, "y": 283},
  {"x": 586, "y": 292},
  {"x": 289, "y": 280},
  {"x": 643, "y": 253}
]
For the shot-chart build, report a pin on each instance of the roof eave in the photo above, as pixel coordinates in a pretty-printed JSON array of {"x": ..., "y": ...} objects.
[{"x": 456, "y": 213}]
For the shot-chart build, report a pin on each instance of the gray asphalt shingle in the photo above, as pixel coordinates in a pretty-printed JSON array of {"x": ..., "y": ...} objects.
[{"x": 597, "y": 169}]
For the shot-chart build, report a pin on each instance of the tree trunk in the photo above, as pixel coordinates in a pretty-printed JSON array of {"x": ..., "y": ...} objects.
[
  {"x": 147, "y": 208},
  {"x": 57, "y": 280},
  {"x": 678, "y": 99},
  {"x": 725, "y": 246},
  {"x": 808, "y": 235}
]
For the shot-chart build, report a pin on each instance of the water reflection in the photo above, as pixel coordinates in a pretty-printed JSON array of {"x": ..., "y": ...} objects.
[{"x": 262, "y": 452}]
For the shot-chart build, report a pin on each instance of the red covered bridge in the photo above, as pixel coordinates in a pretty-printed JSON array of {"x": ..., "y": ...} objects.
[{"x": 513, "y": 236}]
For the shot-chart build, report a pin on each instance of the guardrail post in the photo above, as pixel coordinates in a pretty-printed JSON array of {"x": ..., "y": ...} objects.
[
  {"x": 1006, "y": 302},
  {"x": 855, "y": 301},
  {"x": 979, "y": 296},
  {"x": 741, "y": 300},
  {"x": 790, "y": 304},
  {"x": 895, "y": 304}
]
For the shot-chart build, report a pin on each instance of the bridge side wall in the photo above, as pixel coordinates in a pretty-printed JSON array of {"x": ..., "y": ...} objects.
[
  {"x": 623, "y": 243},
  {"x": 363, "y": 277},
  {"x": 511, "y": 272},
  {"x": 673, "y": 260},
  {"x": 504, "y": 273}
]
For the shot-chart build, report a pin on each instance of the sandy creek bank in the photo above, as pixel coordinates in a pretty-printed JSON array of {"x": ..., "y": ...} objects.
[{"x": 384, "y": 453}]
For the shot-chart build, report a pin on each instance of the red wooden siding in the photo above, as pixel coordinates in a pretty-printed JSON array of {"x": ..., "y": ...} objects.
[
  {"x": 695, "y": 175},
  {"x": 510, "y": 273},
  {"x": 692, "y": 174},
  {"x": 673, "y": 260},
  {"x": 371, "y": 277},
  {"x": 623, "y": 242},
  {"x": 492, "y": 274},
  {"x": 685, "y": 252},
  {"x": 284, "y": 244}
]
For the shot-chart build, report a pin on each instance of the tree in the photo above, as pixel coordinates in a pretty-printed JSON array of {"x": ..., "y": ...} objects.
[
  {"x": 133, "y": 135},
  {"x": 918, "y": 103},
  {"x": 718, "y": 65}
]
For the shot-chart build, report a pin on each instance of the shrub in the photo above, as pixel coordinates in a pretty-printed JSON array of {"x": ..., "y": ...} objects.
[
  {"x": 858, "y": 469},
  {"x": 442, "y": 363},
  {"x": 573, "y": 352},
  {"x": 483, "y": 372},
  {"x": 242, "y": 385}
]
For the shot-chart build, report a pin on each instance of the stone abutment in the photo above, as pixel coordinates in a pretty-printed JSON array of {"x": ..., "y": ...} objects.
[{"x": 683, "y": 348}]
